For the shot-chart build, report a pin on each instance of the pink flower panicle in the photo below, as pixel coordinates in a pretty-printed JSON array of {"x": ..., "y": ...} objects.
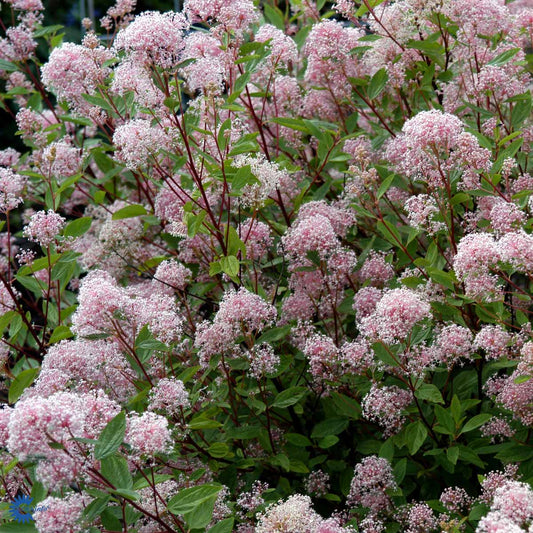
[
  {"x": 60, "y": 514},
  {"x": 11, "y": 188},
  {"x": 455, "y": 499},
  {"x": 239, "y": 313},
  {"x": 138, "y": 141},
  {"x": 453, "y": 343},
  {"x": 171, "y": 276},
  {"x": 511, "y": 509},
  {"x": 169, "y": 396},
  {"x": 372, "y": 479},
  {"x": 494, "y": 340},
  {"x": 263, "y": 360},
  {"x": 420, "y": 519},
  {"x": 497, "y": 429},
  {"x": 73, "y": 70},
  {"x": 154, "y": 38},
  {"x": 148, "y": 434},
  {"x": 44, "y": 227},
  {"x": 384, "y": 405},
  {"x": 434, "y": 143},
  {"x": 376, "y": 270},
  {"x": 317, "y": 483},
  {"x": 81, "y": 365},
  {"x": 476, "y": 254},
  {"x": 395, "y": 315}
]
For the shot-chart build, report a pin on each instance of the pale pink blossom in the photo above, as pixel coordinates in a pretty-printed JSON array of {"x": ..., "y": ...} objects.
[
  {"x": 148, "y": 434},
  {"x": 44, "y": 227},
  {"x": 153, "y": 38},
  {"x": 372, "y": 478}
]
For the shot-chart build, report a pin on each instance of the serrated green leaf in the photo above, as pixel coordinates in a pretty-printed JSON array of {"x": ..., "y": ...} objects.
[
  {"x": 430, "y": 393},
  {"x": 377, "y": 83},
  {"x": 78, "y": 227},
  {"x": 21, "y": 383},
  {"x": 129, "y": 211},
  {"x": 289, "y": 397},
  {"x": 475, "y": 422},
  {"x": 111, "y": 437}
]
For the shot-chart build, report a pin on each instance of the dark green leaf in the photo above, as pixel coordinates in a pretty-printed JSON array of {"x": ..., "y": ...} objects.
[
  {"x": 224, "y": 526},
  {"x": 111, "y": 438},
  {"x": 77, "y": 227},
  {"x": 377, "y": 83},
  {"x": 415, "y": 435},
  {"x": 330, "y": 426},
  {"x": 195, "y": 504},
  {"x": 115, "y": 470},
  {"x": 430, "y": 393},
  {"x": 129, "y": 211},
  {"x": 289, "y": 396},
  {"x": 21, "y": 383},
  {"x": 475, "y": 422}
]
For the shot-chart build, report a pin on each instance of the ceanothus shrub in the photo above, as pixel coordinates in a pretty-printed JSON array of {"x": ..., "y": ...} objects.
[{"x": 266, "y": 267}]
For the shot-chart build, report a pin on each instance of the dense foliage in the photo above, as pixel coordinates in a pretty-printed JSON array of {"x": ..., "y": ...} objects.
[{"x": 268, "y": 268}]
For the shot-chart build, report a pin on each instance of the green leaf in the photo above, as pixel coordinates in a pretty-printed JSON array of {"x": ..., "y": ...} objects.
[
  {"x": 60, "y": 333},
  {"x": 78, "y": 227},
  {"x": 298, "y": 440},
  {"x": 389, "y": 233},
  {"x": 225, "y": 526},
  {"x": 274, "y": 334},
  {"x": 242, "y": 178},
  {"x": 445, "y": 420},
  {"x": 202, "y": 422},
  {"x": 328, "y": 441},
  {"x": 521, "y": 111},
  {"x": 21, "y": 383},
  {"x": 218, "y": 449},
  {"x": 47, "y": 30},
  {"x": 504, "y": 57},
  {"x": 289, "y": 397},
  {"x": 195, "y": 504},
  {"x": 194, "y": 222},
  {"x": 475, "y": 422},
  {"x": 129, "y": 211},
  {"x": 415, "y": 435},
  {"x": 384, "y": 187},
  {"x": 111, "y": 437},
  {"x": 330, "y": 426},
  {"x": 230, "y": 265},
  {"x": 291, "y": 123},
  {"x": 239, "y": 86},
  {"x": 115, "y": 470},
  {"x": 126, "y": 493},
  {"x": 452, "y": 454},
  {"x": 96, "y": 508},
  {"x": 7, "y": 66},
  {"x": 377, "y": 83},
  {"x": 17, "y": 527},
  {"x": 99, "y": 102},
  {"x": 430, "y": 393},
  {"x": 274, "y": 16},
  {"x": 469, "y": 456},
  {"x": 364, "y": 9}
]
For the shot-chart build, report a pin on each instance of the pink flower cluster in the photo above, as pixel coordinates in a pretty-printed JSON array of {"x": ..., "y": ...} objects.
[
  {"x": 433, "y": 144},
  {"x": 11, "y": 188},
  {"x": 241, "y": 313},
  {"x": 395, "y": 315},
  {"x": 385, "y": 406},
  {"x": 44, "y": 227},
  {"x": 372, "y": 479}
]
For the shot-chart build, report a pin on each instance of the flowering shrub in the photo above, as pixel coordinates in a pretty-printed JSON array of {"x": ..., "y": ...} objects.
[{"x": 268, "y": 268}]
